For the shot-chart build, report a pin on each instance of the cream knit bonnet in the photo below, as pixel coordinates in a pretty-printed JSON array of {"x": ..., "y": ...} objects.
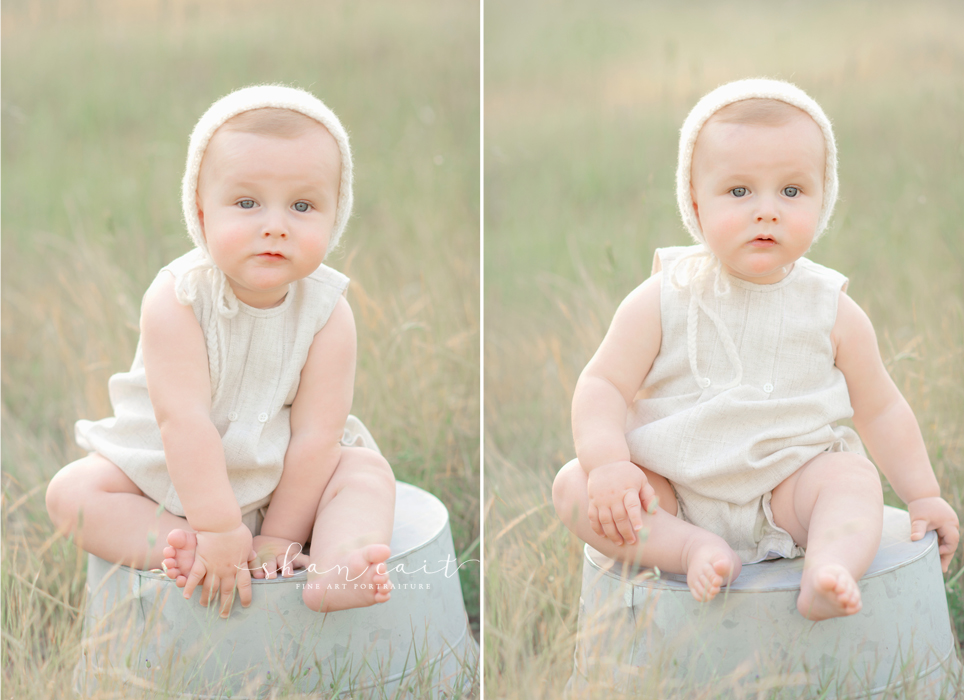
[
  {"x": 699, "y": 268},
  {"x": 244, "y": 100}
]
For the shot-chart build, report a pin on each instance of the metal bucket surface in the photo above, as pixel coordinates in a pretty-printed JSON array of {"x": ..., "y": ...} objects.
[
  {"x": 138, "y": 628},
  {"x": 647, "y": 634}
]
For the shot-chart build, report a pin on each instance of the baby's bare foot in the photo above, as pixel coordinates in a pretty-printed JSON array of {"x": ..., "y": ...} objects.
[
  {"x": 179, "y": 555},
  {"x": 828, "y": 591},
  {"x": 711, "y": 566},
  {"x": 360, "y": 579}
]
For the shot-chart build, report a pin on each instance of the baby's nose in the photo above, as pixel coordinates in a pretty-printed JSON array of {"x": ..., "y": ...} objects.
[
  {"x": 767, "y": 213},
  {"x": 275, "y": 225}
]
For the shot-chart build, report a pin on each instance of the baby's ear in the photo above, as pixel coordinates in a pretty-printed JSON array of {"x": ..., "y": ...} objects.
[
  {"x": 200, "y": 213},
  {"x": 696, "y": 209}
]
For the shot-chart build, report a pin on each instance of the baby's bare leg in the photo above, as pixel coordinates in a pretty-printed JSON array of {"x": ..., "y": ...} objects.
[
  {"x": 833, "y": 506},
  {"x": 353, "y": 528},
  {"x": 97, "y": 503},
  {"x": 667, "y": 542}
]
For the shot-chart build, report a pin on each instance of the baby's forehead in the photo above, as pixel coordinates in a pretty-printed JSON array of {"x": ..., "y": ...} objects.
[
  {"x": 270, "y": 126},
  {"x": 273, "y": 121},
  {"x": 790, "y": 122}
]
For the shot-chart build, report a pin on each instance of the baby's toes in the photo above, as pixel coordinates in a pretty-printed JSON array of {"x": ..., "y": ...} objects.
[
  {"x": 712, "y": 581},
  {"x": 177, "y": 539},
  {"x": 853, "y": 598},
  {"x": 700, "y": 588}
]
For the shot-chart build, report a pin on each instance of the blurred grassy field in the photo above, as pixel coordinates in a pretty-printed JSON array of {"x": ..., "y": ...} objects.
[
  {"x": 583, "y": 104},
  {"x": 98, "y": 100}
]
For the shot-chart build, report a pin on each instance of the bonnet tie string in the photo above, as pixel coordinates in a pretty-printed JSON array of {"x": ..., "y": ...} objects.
[{"x": 695, "y": 271}]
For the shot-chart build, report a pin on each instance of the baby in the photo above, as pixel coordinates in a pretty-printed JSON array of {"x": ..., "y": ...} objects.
[
  {"x": 707, "y": 418},
  {"x": 231, "y": 440}
]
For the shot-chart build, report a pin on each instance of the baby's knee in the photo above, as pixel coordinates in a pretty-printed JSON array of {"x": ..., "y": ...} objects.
[
  {"x": 863, "y": 469},
  {"x": 63, "y": 499},
  {"x": 365, "y": 468},
  {"x": 379, "y": 470},
  {"x": 854, "y": 469},
  {"x": 566, "y": 490}
]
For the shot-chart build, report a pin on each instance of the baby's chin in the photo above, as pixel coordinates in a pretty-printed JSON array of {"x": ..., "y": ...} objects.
[
  {"x": 263, "y": 296},
  {"x": 769, "y": 274}
]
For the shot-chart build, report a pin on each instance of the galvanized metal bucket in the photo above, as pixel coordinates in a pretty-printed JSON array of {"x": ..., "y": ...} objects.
[
  {"x": 140, "y": 633},
  {"x": 645, "y": 635}
]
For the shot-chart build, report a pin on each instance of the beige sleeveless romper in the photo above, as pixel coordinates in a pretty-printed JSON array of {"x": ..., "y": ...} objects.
[
  {"x": 255, "y": 362},
  {"x": 725, "y": 449}
]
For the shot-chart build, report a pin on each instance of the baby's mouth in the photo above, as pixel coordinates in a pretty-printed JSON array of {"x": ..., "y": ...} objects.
[
  {"x": 763, "y": 241},
  {"x": 271, "y": 256}
]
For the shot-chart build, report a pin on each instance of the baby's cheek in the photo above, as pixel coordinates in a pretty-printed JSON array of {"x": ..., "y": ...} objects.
[{"x": 724, "y": 225}]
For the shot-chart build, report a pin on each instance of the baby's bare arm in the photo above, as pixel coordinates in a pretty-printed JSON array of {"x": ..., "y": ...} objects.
[
  {"x": 888, "y": 427},
  {"x": 881, "y": 414},
  {"x": 604, "y": 392},
  {"x": 178, "y": 382},
  {"x": 318, "y": 416},
  {"x": 608, "y": 385}
]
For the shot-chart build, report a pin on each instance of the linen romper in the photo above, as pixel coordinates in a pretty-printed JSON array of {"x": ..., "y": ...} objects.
[
  {"x": 725, "y": 449},
  {"x": 255, "y": 360}
]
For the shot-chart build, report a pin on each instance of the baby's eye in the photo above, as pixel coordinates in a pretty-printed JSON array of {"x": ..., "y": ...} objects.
[
  {"x": 791, "y": 191},
  {"x": 738, "y": 191},
  {"x": 246, "y": 203},
  {"x": 302, "y": 206}
]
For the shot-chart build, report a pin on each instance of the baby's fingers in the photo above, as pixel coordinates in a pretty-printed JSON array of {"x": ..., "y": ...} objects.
[
  {"x": 949, "y": 536},
  {"x": 918, "y": 529},
  {"x": 194, "y": 578},
  {"x": 210, "y": 587},
  {"x": 227, "y": 591},
  {"x": 634, "y": 514},
  {"x": 647, "y": 495},
  {"x": 608, "y": 522},
  {"x": 243, "y": 582},
  {"x": 594, "y": 521},
  {"x": 240, "y": 587}
]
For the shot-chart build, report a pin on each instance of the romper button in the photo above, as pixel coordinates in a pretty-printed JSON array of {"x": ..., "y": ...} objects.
[
  {"x": 768, "y": 387},
  {"x": 233, "y": 415},
  {"x": 263, "y": 417},
  {"x": 705, "y": 382}
]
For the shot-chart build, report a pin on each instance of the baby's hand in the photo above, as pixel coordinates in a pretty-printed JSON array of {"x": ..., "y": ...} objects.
[
  {"x": 617, "y": 494},
  {"x": 935, "y": 514},
  {"x": 274, "y": 554},
  {"x": 219, "y": 564}
]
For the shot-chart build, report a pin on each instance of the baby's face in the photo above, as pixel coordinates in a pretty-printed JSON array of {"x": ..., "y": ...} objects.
[
  {"x": 757, "y": 192},
  {"x": 267, "y": 208}
]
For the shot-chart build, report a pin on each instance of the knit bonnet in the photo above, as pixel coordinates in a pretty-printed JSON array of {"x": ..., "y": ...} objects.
[
  {"x": 699, "y": 269},
  {"x": 231, "y": 105}
]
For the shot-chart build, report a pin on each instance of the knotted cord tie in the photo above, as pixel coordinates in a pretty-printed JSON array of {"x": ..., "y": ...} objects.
[{"x": 697, "y": 271}]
